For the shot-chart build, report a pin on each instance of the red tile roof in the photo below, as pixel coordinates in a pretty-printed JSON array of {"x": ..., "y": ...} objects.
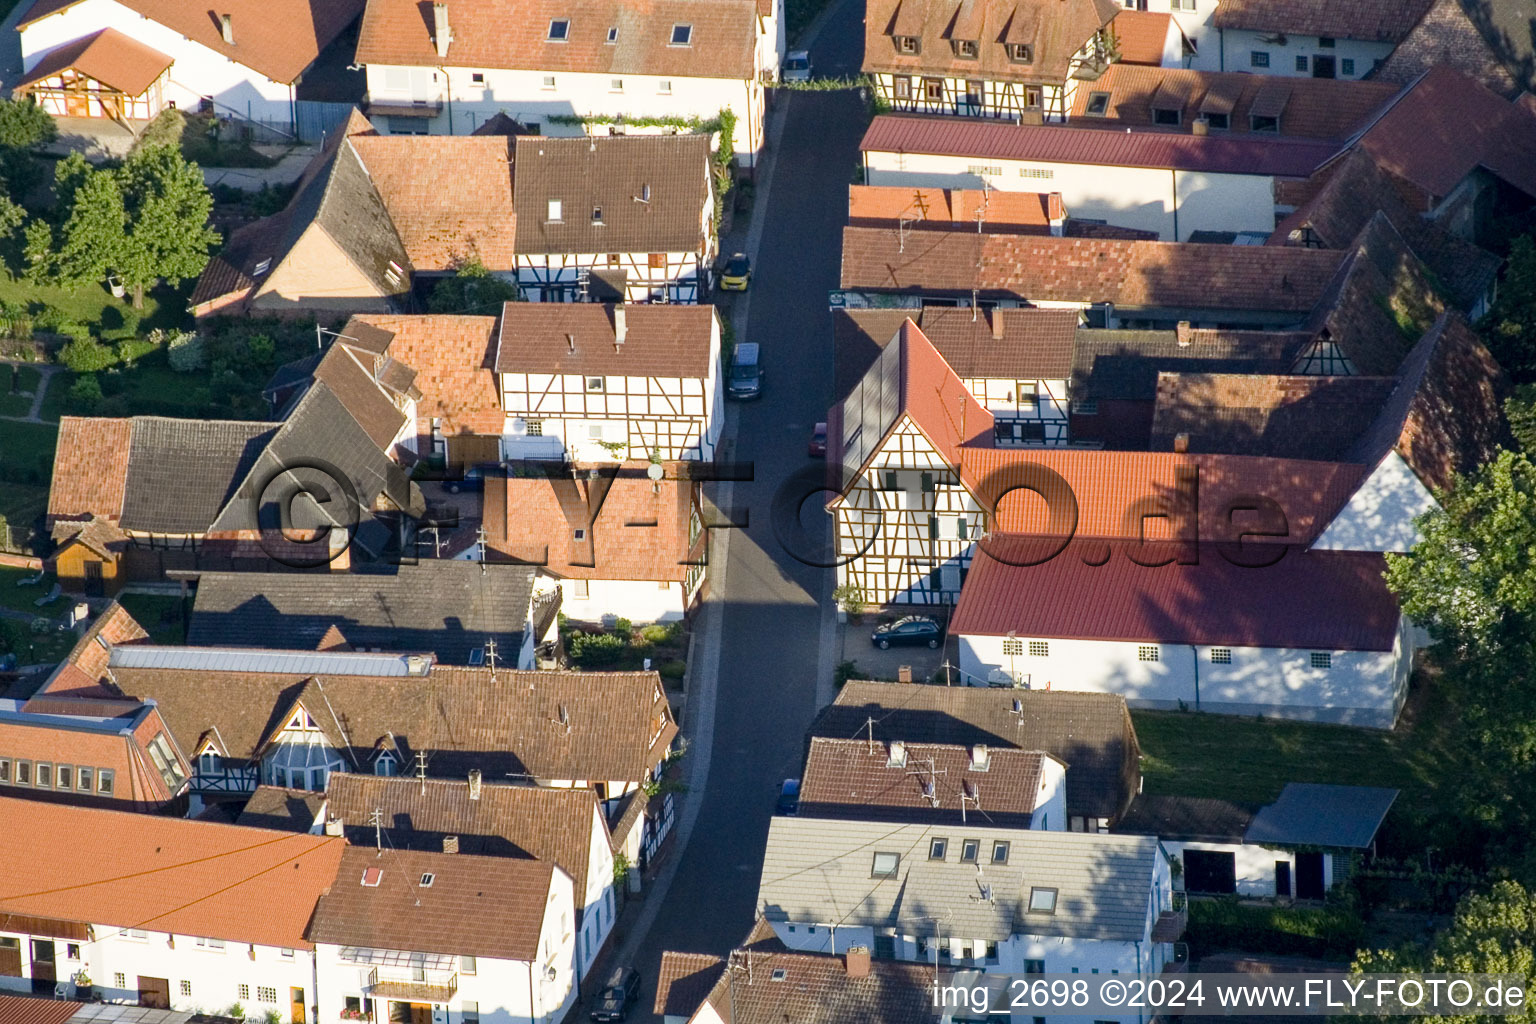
[
  {"x": 188, "y": 877},
  {"x": 1327, "y": 600},
  {"x": 1056, "y": 29},
  {"x": 1143, "y": 36},
  {"x": 954, "y": 208},
  {"x": 581, "y": 338},
  {"x": 1131, "y": 274},
  {"x": 1385, "y": 21},
  {"x": 935, "y": 398},
  {"x": 453, "y": 359},
  {"x": 510, "y": 34},
  {"x": 279, "y": 38},
  {"x": 1098, "y": 146},
  {"x": 1447, "y": 125},
  {"x": 34, "y": 1010},
  {"x": 108, "y": 56},
  {"x": 1316, "y": 108},
  {"x": 685, "y": 982},
  {"x": 45, "y": 734},
  {"x": 90, "y": 468}
]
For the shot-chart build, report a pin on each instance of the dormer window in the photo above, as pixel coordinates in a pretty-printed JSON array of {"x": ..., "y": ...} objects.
[
  {"x": 559, "y": 30},
  {"x": 682, "y": 35},
  {"x": 1169, "y": 116},
  {"x": 1020, "y": 53},
  {"x": 1264, "y": 124},
  {"x": 964, "y": 48},
  {"x": 908, "y": 45}
]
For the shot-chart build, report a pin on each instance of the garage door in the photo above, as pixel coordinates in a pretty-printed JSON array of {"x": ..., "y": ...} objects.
[{"x": 1210, "y": 871}]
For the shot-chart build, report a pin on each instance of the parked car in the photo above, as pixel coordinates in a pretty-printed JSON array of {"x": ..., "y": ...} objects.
[
  {"x": 746, "y": 376},
  {"x": 912, "y": 631},
  {"x": 797, "y": 66},
  {"x": 789, "y": 796},
  {"x": 818, "y": 446},
  {"x": 613, "y": 1001},
  {"x": 736, "y": 274}
]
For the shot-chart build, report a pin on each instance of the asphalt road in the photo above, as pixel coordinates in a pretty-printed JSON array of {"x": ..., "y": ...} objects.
[{"x": 771, "y": 619}]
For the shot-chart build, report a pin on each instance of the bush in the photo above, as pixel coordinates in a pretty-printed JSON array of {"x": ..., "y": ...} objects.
[
  {"x": 845, "y": 671},
  {"x": 589, "y": 650},
  {"x": 87, "y": 355},
  {"x": 1330, "y": 932},
  {"x": 184, "y": 350},
  {"x": 673, "y": 670},
  {"x": 130, "y": 350},
  {"x": 85, "y": 393},
  {"x": 850, "y": 597},
  {"x": 655, "y": 633}
]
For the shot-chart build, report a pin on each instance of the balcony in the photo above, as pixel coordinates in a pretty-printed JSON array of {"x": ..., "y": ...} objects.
[
  {"x": 1170, "y": 923},
  {"x": 392, "y": 107},
  {"x": 413, "y": 984}
]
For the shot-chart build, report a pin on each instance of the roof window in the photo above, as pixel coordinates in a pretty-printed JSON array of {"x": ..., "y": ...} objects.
[
  {"x": 682, "y": 35},
  {"x": 1042, "y": 901},
  {"x": 885, "y": 865},
  {"x": 597, "y": 215},
  {"x": 613, "y": 34},
  {"x": 555, "y": 211},
  {"x": 372, "y": 877},
  {"x": 559, "y": 30},
  {"x": 262, "y": 266},
  {"x": 427, "y": 878}
]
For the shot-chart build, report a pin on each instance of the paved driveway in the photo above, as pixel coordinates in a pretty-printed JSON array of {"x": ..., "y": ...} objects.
[{"x": 771, "y": 618}]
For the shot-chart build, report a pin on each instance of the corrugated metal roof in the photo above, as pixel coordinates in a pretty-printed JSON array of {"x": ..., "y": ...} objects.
[
  {"x": 245, "y": 659},
  {"x": 1230, "y": 154},
  {"x": 819, "y": 870}
]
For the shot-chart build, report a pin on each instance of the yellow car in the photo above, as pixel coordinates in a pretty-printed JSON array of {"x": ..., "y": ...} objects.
[{"x": 736, "y": 274}]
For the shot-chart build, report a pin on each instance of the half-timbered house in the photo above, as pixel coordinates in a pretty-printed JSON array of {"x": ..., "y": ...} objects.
[
  {"x": 627, "y": 219},
  {"x": 104, "y": 74},
  {"x": 987, "y": 58},
  {"x": 595, "y": 383}
]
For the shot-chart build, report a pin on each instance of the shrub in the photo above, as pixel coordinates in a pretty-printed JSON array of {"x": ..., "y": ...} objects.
[
  {"x": 673, "y": 670},
  {"x": 85, "y": 393},
  {"x": 655, "y": 633},
  {"x": 185, "y": 351},
  {"x": 590, "y": 650},
  {"x": 850, "y": 597},
  {"x": 623, "y": 628},
  {"x": 87, "y": 355},
  {"x": 845, "y": 671},
  {"x": 130, "y": 350}
]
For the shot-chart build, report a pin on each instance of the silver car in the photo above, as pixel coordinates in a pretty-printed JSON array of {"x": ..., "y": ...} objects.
[{"x": 797, "y": 66}]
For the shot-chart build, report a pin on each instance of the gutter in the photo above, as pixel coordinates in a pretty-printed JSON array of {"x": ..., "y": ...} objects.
[{"x": 1195, "y": 653}]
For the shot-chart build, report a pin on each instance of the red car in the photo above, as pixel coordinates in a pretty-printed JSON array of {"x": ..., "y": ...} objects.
[{"x": 818, "y": 446}]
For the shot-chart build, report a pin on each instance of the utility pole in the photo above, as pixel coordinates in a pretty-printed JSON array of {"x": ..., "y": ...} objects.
[
  {"x": 421, "y": 770},
  {"x": 376, "y": 819}
]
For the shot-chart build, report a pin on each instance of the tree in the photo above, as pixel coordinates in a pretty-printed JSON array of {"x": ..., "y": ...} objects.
[
  {"x": 11, "y": 216},
  {"x": 1520, "y": 410},
  {"x": 472, "y": 289},
  {"x": 1510, "y": 328},
  {"x": 91, "y": 240},
  {"x": 1472, "y": 577},
  {"x": 167, "y": 206},
  {"x": 1494, "y": 932},
  {"x": 25, "y": 125}
]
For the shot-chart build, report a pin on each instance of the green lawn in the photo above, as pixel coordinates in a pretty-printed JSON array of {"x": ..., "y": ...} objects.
[
  {"x": 1249, "y": 759},
  {"x": 26, "y": 452},
  {"x": 93, "y": 304},
  {"x": 159, "y": 614},
  {"x": 20, "y": 598},
  {"x": 19, "y": 402}
]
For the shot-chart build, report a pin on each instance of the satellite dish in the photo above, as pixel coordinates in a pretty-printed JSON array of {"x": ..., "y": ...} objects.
[{"x": 655, "y": 472}]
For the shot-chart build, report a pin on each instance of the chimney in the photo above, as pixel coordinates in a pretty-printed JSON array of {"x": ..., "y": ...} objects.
[
  {"x": 333, "y": 826},
  {"x": 997, "y": 324},
  {"x": 474, "y": 783},
  {"x": 1181, "y": 443},
  {"x": 417, "y": 664},
  {"x": 1200, "y": 126},
  {"x": 442, "y": 35},
  {"x": 904, "y": 674},
  {"x": 227, "y": 29},
  {"x": 856, "y": 960},
  {"x": 1182, "y": 333},
  {"x": 898, "y": 754},
  {"x": 620, "y": 327},
  {"x": 1056, "y": 214},
  {"x": 981, "y": 757},
  {"x": 450, "y": 844}
]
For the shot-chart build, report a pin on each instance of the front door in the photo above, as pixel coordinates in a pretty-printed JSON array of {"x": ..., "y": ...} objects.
[
  {"x": 1309, "y": 876},
  {"x": 1323, "y": 67},
  {"x": 93, "y": 578},
  {"x": 1282, "y": 878},
  {"x": 77, "y": 104},
  {"x": 154, "y": 993},
  {"x": 43, "y": 974},
  {"x": 296, "y": 998}
]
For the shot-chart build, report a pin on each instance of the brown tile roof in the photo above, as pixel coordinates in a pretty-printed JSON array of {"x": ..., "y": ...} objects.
[
  {"x": 279, "y": 38},
  {"x": 507, "y": 34},
  {"x": 1000, "y": 343},
  {"x": 1320, "y": 600},
  {"x": 108, "y": 56},
  {"x": 816, "y": 989},
  {"x": 619, "y": 723},
  {"x": 1112, "y": 489},
  {"x": 450, "y": 197},
  {"x": 852, "y": 778},
  {"x": 1317, "y": 108},
  {"x": 1127, "y": 273},
  {"x": 1091, "y": 142},
  {"x": 1446, "y": 417},
  {"x": 685, "y": 982},
  {"x": 1489, "y": 40},
  {"x": 612, "y": 176},
  {"x": 1111, "y": 365},
  {"x": 34, "y": 1010},
  {"x": 1354, "y": 190},
  {"x": 858, "y": 336},
  {"x": 580, "y": 338},
  {"x": 641, "y": 529},
  {"x": 475, "y": 906},
  {"x": 1384, "y": 21},
  {"x": 1447, "y": 125},
  {"x": 1091, "y": 733},
  {"x": 1143, "y": 36},
  {"x": 99, "y": 535},
  {"x": 287, "y": 810},
  {"x": 453, "y": 359},
  {"x": 953, "y": 209},
  {"x": 193, "y": 878},
  {"x": 350, "y": 374},
  {"x": 537, "y": 822},
  {"x": 90, "y": 468},
  {"x": 1289, "y": 417},
  {"x": 1057, "y": 29}
]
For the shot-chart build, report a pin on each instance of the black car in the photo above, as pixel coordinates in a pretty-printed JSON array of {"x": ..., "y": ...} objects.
[
  {"x": 912, "y": 631},
  {"x": 789, "y": 797},
  {"x": 622, "y": 989}
]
